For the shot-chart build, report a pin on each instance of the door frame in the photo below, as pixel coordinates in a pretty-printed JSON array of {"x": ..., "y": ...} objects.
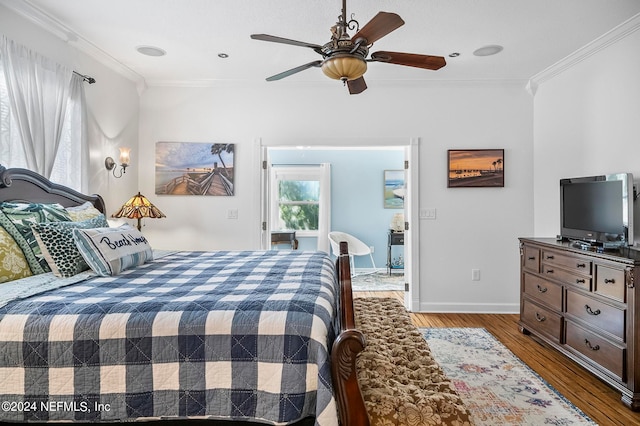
[{"x": 411, "y": 147}]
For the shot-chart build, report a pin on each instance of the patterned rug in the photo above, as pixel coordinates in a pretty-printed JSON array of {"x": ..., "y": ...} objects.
[
  {"x": 378, "y": 281},
  {"x": 496, "y": 386}
]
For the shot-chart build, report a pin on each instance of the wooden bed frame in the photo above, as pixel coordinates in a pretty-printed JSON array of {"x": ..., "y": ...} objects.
[{"x": 22, "y": 185}]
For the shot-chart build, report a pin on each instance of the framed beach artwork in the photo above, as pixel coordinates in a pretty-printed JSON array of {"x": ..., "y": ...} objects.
[
  {"x": 195, "y": 168},
  {"x": 394, "y": 189},
  {"x": 475, "y": 168}
]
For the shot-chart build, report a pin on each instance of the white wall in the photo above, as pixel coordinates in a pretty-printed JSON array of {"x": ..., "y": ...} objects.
[
  {"x": 587, "y": 122},
  {"x": 112, "y": 105},
  {"x": 475, "y": 228}
]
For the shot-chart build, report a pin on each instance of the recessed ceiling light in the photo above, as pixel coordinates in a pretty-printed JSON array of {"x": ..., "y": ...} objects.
[
  {"x": 488, "y": 50},
  {"x": 454, "y": 55},
  {"x": 223, "y": 55},
  {"x": 151, "y": 51}
]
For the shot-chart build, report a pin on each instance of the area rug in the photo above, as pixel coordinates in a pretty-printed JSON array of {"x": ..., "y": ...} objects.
[
  {"x": 378, "y": 281},
  {"x": 495, "y": 385}
]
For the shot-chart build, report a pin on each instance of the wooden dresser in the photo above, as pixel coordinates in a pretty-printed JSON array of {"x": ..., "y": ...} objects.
[{"x": 585, "y": 304}]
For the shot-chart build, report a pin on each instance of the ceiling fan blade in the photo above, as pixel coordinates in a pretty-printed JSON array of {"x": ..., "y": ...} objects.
[
  {"x": 275, "y": 39},
  {"x": 294, "y": 70},
  {"x": 356, "y": 86},
  {"x": 381, "y": 25},
  {"x": 410, "y": 59}
]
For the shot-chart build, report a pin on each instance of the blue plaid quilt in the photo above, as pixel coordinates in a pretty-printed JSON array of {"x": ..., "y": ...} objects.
[{"x": 230, "y": 335}]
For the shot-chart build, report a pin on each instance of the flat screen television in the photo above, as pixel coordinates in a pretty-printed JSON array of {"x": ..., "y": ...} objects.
[{"x": 598, "y": 209}]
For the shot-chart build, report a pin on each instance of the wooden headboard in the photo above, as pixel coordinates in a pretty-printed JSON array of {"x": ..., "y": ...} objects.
[{"x": 22, "y": 185}]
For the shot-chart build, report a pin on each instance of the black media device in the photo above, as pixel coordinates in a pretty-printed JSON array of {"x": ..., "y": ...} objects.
[{"x": 598, "y": 210}]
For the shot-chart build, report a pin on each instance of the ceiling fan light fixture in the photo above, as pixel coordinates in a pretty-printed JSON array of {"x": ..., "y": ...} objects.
[{"x": 344, "y": 67}]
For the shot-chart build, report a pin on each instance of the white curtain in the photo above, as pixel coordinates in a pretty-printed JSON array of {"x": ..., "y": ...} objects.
[
  {"x": 72, "y": 149},
  {"x": 38, "y": 91}
]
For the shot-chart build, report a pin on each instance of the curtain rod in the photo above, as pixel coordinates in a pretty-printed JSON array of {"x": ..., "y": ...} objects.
[{"x": 86, "y": 78}]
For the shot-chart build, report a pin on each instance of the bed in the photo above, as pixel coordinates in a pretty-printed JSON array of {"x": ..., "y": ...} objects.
[{"x": 252, "y": 336}]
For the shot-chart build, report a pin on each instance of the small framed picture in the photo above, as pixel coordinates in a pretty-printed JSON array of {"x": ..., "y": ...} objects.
[
  {"x": 394, "y": 189},
  {"x": 475, "y": 168}
]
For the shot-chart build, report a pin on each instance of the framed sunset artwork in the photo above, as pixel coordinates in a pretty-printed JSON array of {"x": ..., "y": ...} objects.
[{"x": 475, "y": 168}]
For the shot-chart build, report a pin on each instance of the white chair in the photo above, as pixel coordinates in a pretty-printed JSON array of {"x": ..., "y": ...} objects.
[{"x": 356, "y": 248}]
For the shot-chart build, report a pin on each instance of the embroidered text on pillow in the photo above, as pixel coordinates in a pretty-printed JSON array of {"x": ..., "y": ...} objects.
[{"x": 109, "y": 251}]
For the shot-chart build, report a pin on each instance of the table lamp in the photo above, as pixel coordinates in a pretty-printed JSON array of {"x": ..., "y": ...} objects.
[{"x": 138, "y": 207}]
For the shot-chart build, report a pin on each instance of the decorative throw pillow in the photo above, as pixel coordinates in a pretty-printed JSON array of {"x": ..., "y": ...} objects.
[
  {"x": 109, "y": 251},
  {"x": 13, "y": 265},
  {"x": 83, "y": 212},
  {"x": 17, "y": 218},
  {"x": 58, "y": 246}
]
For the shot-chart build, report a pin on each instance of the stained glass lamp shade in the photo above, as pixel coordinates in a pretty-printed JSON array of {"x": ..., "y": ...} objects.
[{"x": 138, "y": 207}]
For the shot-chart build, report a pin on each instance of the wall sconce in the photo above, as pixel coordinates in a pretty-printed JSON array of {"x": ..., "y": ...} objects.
[{"x": 110, "y": 164}]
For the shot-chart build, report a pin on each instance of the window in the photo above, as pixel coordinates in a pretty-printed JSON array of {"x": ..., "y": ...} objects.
[
  {"x": 298, "y": 204},
  {"x": 11, "y": 150},
  {"x": 301, "y": 200},
  {"x": 70, "y": 152}
]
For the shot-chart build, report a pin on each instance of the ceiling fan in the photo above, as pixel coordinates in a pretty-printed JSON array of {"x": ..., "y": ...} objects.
[{"x": 345, "y": 57}]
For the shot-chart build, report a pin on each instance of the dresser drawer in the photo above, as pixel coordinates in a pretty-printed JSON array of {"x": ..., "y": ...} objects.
[
  {"x": 610, "y": 283},
  {"x": 596, "y": 348},
  {"x": 573, "y": 263},
  {"x": 546, "y": 292},
  {"x": 596, "y": 313},
  {"x": 531, "y": 259},
  {"x": 541, "y": 320},
  {"x": 564, "y": 276}
]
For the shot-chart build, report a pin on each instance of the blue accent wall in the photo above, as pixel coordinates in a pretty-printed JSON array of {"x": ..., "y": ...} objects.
[{"x": 357, "y": 194}]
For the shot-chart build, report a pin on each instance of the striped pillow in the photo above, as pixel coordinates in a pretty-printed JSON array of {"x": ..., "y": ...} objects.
[{"x": 109, "y": 251}]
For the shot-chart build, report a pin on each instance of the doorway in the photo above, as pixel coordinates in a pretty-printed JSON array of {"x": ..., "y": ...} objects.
[{"x": 405, "y": 152}]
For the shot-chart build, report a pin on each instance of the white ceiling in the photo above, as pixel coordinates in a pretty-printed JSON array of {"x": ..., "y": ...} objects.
[{"x": 535, "y": 34}]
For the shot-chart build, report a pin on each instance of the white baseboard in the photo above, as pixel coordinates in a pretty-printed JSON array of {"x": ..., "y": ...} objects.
[
  {"x": 470, "y": 308},
  {"x": 362, "y": 271}
]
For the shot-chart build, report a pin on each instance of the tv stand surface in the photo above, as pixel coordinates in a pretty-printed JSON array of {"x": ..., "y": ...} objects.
[
  {"x": 599, "y": 247},
  {"x": 585, "y": 304}
]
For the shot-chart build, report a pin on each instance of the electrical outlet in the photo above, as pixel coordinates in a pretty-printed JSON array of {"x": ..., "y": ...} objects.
[
  {"x": 372, "y": 248},
  {"x": 475, "y": 275},
  {"x": 232, "y": 213}
]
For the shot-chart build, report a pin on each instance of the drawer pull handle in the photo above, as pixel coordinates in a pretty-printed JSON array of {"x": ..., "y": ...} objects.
[
  {"x": 580, "y": 281},
  {"x": 549, "y": 271},
  {"x": 593, "y": 348},
  {"x": 542, "y": 289},
  {"x": 609, "y": 281},
  {"x": 539, "y": 317},
  {"x": 590, "y": 311},
  {"x": 550, "y": 257},
  {"x": 581, "y": 265},
  {"x": 531, "y": 258}
]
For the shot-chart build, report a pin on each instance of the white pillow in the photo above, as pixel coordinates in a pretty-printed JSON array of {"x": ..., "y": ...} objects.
[{"x": 109, "y": 251}]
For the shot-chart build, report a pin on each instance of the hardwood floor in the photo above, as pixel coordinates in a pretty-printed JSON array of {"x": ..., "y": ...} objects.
[{"x": 585, "y": 391}]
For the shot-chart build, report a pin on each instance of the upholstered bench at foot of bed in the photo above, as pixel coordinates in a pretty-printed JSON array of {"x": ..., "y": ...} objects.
[{"x": 400, "y": 381}]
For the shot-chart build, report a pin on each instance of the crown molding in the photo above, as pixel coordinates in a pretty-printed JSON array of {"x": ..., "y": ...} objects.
[
  {"x": 618, "y": 33},
  {"x": 324, "y": 82},
  {"x": 50, "y": 24}
]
